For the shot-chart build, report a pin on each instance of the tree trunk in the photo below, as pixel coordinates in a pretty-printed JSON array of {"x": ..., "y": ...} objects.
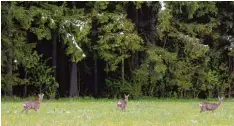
[
  {"x": 136, "y": 60},
  {"x": 9, "y": 71},
  {"x": 210, "y": 93},
  {"x": 95, "y": 78},
  {"x": 40, "y": 87},
  {"x": 162, "y": 87},
  {"x": 123, "y": 71},
  {"x": 153, "y": 21},
  {"x": 79, "y": 80},
  {"x": 25, "y": 90},
  {"x": 194, "y": 93},
  {"x": 63, "y": 71},
  {"x": 198, "y": 93},
  {"x": 230, "y": 90},
  {"x": 25, "y": 86},
  {"x": 73, "y": 80},
  {"x": 54, "y": 53},
  {"x": 94, "y": 40},
  {"x": 231, "y": 71},
  {"x": 181, "y": 93}
]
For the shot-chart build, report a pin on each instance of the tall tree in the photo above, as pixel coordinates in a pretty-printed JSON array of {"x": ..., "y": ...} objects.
[
  {"x": 14, "y": 46},
  {"x": 116, "y": 36},
  {"x": 227, "y": 39}
]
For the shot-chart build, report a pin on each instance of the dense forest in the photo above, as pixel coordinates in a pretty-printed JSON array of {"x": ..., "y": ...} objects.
[{"x": 107, "y": 49}]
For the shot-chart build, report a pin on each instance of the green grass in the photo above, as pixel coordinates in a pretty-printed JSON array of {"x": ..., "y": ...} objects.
[{"x": 102, "y": 112}]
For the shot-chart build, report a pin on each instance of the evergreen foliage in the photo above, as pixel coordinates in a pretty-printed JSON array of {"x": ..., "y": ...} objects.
[{"x": 186, "y": 50}]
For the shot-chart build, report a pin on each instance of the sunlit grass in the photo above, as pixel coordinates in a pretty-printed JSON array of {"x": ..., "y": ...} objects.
[{"x": 91, "y": 112}]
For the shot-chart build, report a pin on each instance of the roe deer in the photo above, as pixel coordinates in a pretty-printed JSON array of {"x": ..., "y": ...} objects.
[
  {"x": 205, "y": 106},
  {"x": 123, "y": 103},
  {"x": 33, "y": 105}
]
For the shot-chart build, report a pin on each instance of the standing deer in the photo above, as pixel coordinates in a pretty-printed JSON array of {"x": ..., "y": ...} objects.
[
  {"x": 123, "y": 103},
  {"x": 205, "y": 106},
  {"x": 33, "y": 105}
]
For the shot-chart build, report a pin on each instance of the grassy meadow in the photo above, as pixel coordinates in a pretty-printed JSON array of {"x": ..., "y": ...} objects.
[{"x": 102, "y": 112}]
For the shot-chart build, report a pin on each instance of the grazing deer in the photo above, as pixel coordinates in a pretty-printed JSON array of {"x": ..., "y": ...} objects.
[
  {"x": 33, "y": 105},
  {"x": 205, "y": 106},
  {"x": 123, "y": 103}
]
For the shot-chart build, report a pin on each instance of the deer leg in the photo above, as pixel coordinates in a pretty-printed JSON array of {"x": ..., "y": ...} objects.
[
  {"x": 117, "y": 108},
  {"x": 23, "y": 110},
  {"x": 35, "y": 110},
  {"x": 122, "y": 109},
  {"x": 202, "y": 110},
  {"x": 27, "y": 111}
]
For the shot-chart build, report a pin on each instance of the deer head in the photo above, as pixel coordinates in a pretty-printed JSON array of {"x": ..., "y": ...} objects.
[
  {"x": 126, "y": 97},
  {"x": 40, "y": 97}
]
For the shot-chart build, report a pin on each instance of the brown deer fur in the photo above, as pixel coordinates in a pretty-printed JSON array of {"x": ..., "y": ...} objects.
[
  {"x": 123, "y": 103},
  {"x": 33, "y": 105},
  {"x": 206, "y": 106}
]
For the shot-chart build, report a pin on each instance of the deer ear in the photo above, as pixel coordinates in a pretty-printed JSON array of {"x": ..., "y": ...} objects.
[{"x": 128, "y": 95}]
